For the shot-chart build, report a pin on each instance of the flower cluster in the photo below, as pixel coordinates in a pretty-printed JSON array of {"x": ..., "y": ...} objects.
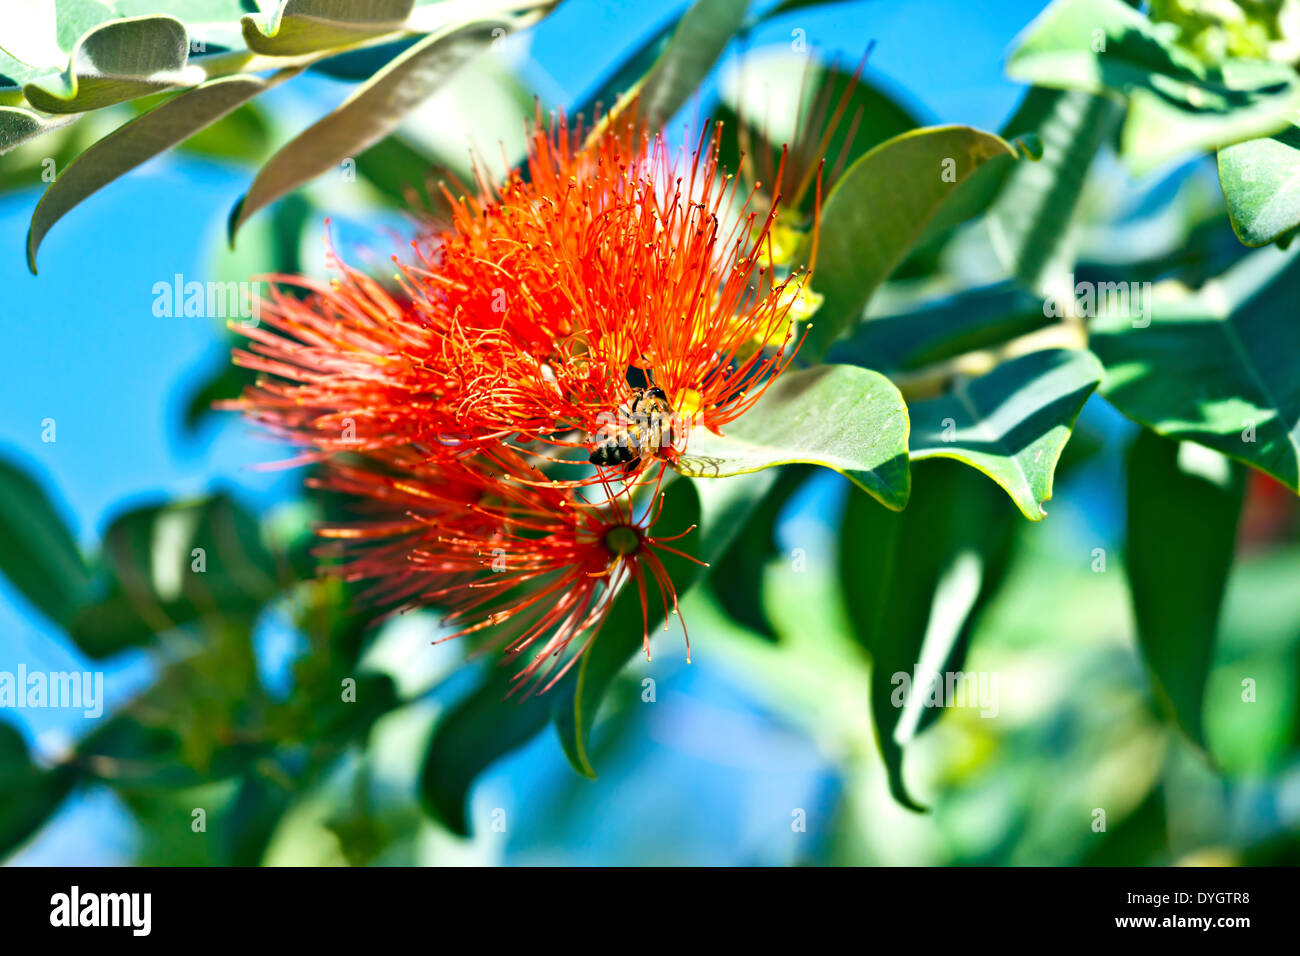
[{"x": 505, "y": 409}]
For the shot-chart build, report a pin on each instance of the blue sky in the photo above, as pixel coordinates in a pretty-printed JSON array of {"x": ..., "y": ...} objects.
[{"x": 84, "y": 349}]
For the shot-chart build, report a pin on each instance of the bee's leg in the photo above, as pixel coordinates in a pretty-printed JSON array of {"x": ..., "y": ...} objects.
[{"x": 630, "y": 468}]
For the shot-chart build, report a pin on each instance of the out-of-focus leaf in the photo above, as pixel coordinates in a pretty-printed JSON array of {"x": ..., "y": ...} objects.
[
  {"x": 368, "y": 115},
  {"x": 699, "y": 39},
  {"x": 1030, "y": 222},
  {"x": 838, "y": 416},
  {"x": 243, "y": 135},
  {"x": 940, "y": 329},
  {"x": 395, "y": 167},
  {"x": 781, "y": 94},
  {"x": 166, "y": 566},
  {"x": 1182, "y": 524},
  {"x": 308, "y": 26},
  {"x": 879, "y": 209},
  {"x": 1261, "y": 184},
  {"x": 38, "y": 553},
  {"x": 135, "y": 142},
  {"x": 473, "y": 735},
  {"x": 1219, "y": 366},
  {"x": 117, "y": 61},
  {"x": 1177, "y": 104},
  {"x": 31, "y": 795},
  {"x": 914, "y": 584},
  {"x": 736, "y": 578},
  {"x": 1012, "y": 422}
]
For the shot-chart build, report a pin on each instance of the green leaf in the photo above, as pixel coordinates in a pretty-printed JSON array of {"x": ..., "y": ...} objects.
[
  {"x": 367, "y": 116},
  {"x": 942, "y": 328},
  {"x": 118, "y": 61},
  {"x": 718, "y": 509},
  {"x": 914, "y": 584},
  {"x": 141, "y": 139},
  {"x": 32, "y": 795},
  {"x": 1219, "y": 365},
  {"x": 736, "y": 578},
  {"x": 1177, "y": 105},
  {"x": 38, "y": 553},
  {"x": 1012, "y": 422},
  {"x": 170, "y": 565},
  {"x": 701, "y": 35},
  {"x": 879, "y": 209},
  {"x": 1261, "y": 184},
  {"x": 309, "y": 26},
  {"x": 1029, "y": 223},
  {"x": 1183, "y": 505},
  {"x": 470, "y": 737},
  {"x": 18, "y": 125},
  {"x": 838, "y": 416}
]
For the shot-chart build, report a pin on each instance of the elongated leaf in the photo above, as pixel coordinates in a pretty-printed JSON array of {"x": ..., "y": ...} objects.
[
  {"x": 1261, "y": 184},
  {"x": 1029, "y": 224},
  {"x": 879, "y": 209},
  {"x": 1182, "y": 524},
  {"x": 367, "y": 116},
  {"x": 469, "y": 738},
  {"x": 307, "y": 26},
  {"x": 942, "y": 328},
  {"x": 135, "y": 142},
  {"x": 117, "y": 61},
  {"x": 736, "y": 580},
  {"x": 699, "y": 39},
  {"x": 719, "y": 509},
  {"x": 1219, "y": 366},
  {"x": 1177, "y": 105},
  {"x": 18, "y": 125},
  {"x": 38, "y": 553},
  {"x": 1011, "y": 423},
  {"x": 838, "y": 416},
  {"x": 914, "y": 583}
]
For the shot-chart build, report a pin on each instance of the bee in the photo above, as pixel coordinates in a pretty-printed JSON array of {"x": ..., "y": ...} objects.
[{"x": 641, "y": 428}]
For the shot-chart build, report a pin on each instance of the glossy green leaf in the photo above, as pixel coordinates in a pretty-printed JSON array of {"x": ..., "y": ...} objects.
[
  {"x": 1183, "y": 505},
  {"x": 937, "y": 329},
  {"x": 38, "y": 553},
  {"x": 838, "y": 416},
  {"x": 1219, "y": 365},
  {"x": 914, "y": 584},
  {"x": 1030, "y": 222},
  {"x": 1261, "y": 184},
  {"x": 879, "y": 209},
  {"x": 1177, "y": 104},
  {"x": 701, "y": 35},
  {"x": 308, "y": 26},
  {"x": 1012, "y": 422},
  {"x": 117, "y": 61},
  {"x": 141, "y": 139},
  {"x": 367, "y": 116}
]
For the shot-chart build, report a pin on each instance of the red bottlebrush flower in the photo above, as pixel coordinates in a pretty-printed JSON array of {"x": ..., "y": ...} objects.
[
  {"x": 523, "y": 319},
  {"x": 537, "y": 562}
]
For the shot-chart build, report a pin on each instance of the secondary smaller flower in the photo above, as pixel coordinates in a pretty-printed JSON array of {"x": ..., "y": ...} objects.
[{"x": 534, "y": 565}]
